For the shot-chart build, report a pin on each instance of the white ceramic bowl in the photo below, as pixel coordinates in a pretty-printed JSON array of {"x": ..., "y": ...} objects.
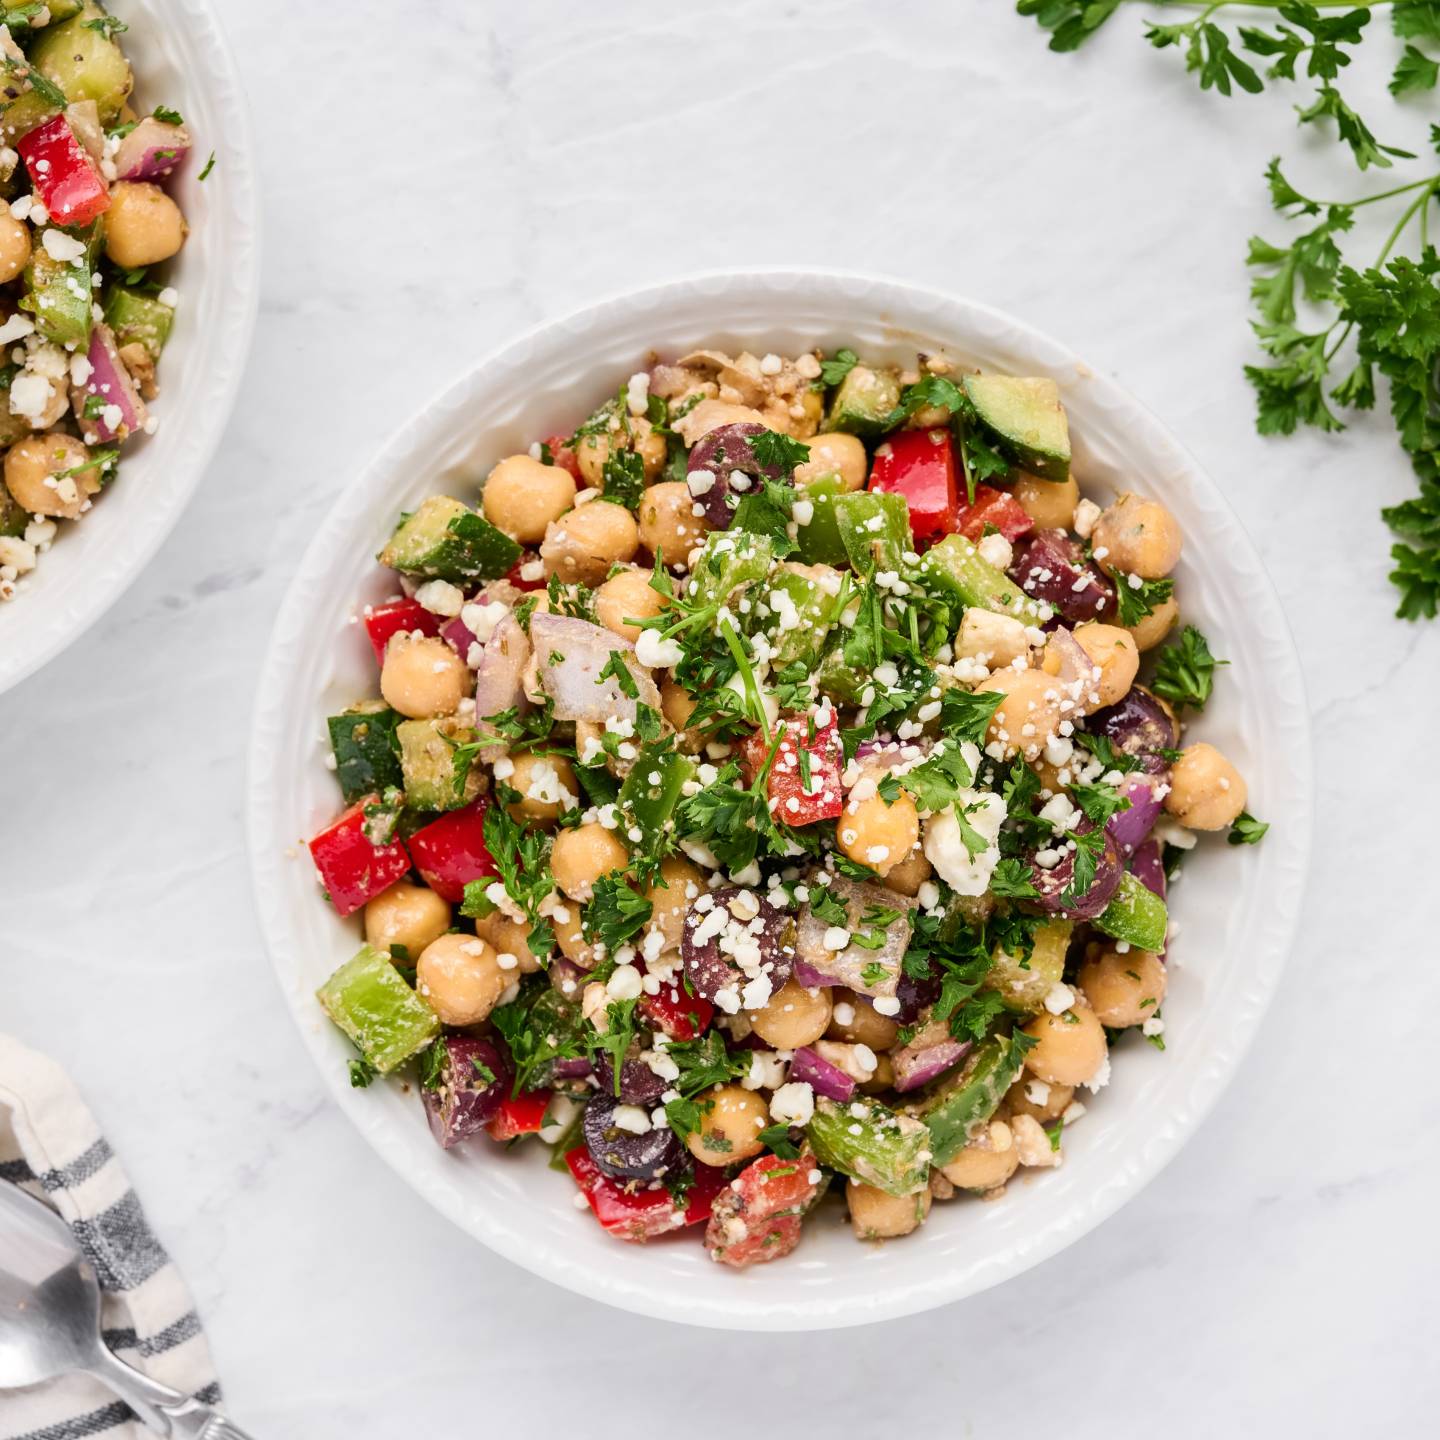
[
  {"x": 1236, "y": 908},
  {"x": 181, "y": 59}
]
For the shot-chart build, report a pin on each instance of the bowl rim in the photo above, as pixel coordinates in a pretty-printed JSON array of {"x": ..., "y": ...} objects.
[
  {"x": 736, "y": 1310},
  {"x": 236, "y": 148}
]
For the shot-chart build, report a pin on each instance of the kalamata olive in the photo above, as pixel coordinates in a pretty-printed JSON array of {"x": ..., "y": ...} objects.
[
  {"x": 621, "y": 1153},
  {"x": 1053, "y": 883},
  {"x": 1139, "y": 725},
  {"x": 460, "y": 1100},
  {"x": 914, "y": 996},
  {"x": 1051, "y": 565},
  {"x": 723, "y": 452},
  {"x": 639, "y": 1084},
  {"x": 732, "y": 936}
]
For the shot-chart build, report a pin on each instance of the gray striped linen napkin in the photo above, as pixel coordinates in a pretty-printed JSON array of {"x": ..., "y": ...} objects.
[{"x": 50, "y": 1144}]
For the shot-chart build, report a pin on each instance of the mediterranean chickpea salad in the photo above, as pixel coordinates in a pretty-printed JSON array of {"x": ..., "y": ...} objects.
[
  {"x": 773, "y": 785},
  {"x": 84, "y": 218}
]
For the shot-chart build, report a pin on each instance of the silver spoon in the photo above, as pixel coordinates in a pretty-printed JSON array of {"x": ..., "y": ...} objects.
[{"x": 50, "y": 1323}]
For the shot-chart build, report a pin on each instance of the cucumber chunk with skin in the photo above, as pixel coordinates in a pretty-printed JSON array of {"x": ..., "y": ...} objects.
[
  {"x": 957, "y": 568},
  {"x": 385, "y": 1018},
  {"x": 968, "y": 1097},
  {"x": 1023, "y": 982},
  {"x": 428, "y": 755},
  {"x": 872, "y": 1143},
  {"x": 58, "y": 295},
  {"x": 863, "y": 401},
  {"x": 1025, "y": 421},
  {"x": 819, "y": 541},
  {"x": 836, "y": 678},
  {"x": 135, "y": 318},
  {"x": 445, "y": 540},
  {"x": 85, "y": 63},
  {"x": 367, "y": 759},
  {"x": 1136, "y": 915}
]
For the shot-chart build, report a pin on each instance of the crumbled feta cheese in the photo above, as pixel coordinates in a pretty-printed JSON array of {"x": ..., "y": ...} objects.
[{"x": 793, "y": 1104}]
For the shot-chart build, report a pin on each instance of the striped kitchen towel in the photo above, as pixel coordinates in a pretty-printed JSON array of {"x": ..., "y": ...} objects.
[{"x": 49, "y": 1143}]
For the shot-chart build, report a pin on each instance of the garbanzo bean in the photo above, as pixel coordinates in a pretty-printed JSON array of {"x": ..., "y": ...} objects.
[
  {"x": 988, "y": 1161},
  {"x": 568, "y": 925},
  {"x": 547, "y": 785},
  {"x": 876, "y": 834},
  {"x": 677, "y": 705},
  {"x": 594, "y": 450},
  {"x": 1156, "y": 625},
  {"x": 32, "y": 462},
  {"x": 793, "y": 1016},
  {"x": 910, "y": 874},
  {"x": 1053, "y": 1102},
  {"x": 522, "y": 497},
  {"x": 460, "y": 978},
  {"x": 1029, "y": 715},
  {"x": 408, "y": 915},
  {"x": 1069, "y": 1049},
  {"x": 669, "y": 526},
  {"x": 143, "y": 225},
  {"x": 1206, "y": 791},
  {"x": 1136, "y": 536},
  {"x": 14, "y": 246},
  {"x": 509, "y": 937},
  {"x": 856, "y": 1021},
  {"x": 581, "y": 856},
  {"x": 1118, "y": 658},
  {"x": 877, "y": 1215},
  {"x": 834, "y": 454},
  {"x": 422, "y": 677},
  {"x": 585, "y": 542},
  {"x": 1049, "y": 504},
  {"x": 684, "y": 880},
  {"x": 730, "y": 1128},
  {"x": 1123, "y": 989},
  {"x": 627, "y": 595}
]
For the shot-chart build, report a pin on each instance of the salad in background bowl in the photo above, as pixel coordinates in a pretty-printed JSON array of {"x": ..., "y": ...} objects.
[{"x": 758, "y": 795}]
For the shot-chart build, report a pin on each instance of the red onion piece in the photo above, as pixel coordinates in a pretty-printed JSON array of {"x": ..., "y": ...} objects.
[
  {"x": 1148, "y": 867},
  {"x": 499, "y": 676},
  {"x": 1130, "y": 828},
  {"x": 152, "y": 151},
  {"x": 922, "y": 1060},
  {"x": 121, "y": 410},
  {"x": 572, "y": 654},
  {"x": 822, "y": 1077}
]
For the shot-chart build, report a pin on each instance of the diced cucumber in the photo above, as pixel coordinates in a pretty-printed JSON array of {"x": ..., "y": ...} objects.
[
  {"x": 874, "y": 528},
  {"x": 968, "y": 1097},
  {"x": 840, "y": 680},
  {"x": 385, "y": 1018},
  {"x": 652, "y": 803},
  {"x": 446, "y": 540},
  {"x": 13, "y": 516},
  {"x": 872, "y": 1143},
  {"x": 814, "y": 606},
  {"x": 863, "y": 401},
  {"x": 819, "y": 541},
  {"x": 729, "y": 560},
  {"x": 138, "y": 318},
  {"x": 367, "y": 759},
  {"x": 427, "y": 759},
  {"x": 58, "y": 295},
  {"x": 1023, "y": 982},
  {"x": 1025, "y": 421},
  {"x": 957, "y": 568},
  {"x": 1136, "y": 915},
  {"x": 85, "y": 63}
]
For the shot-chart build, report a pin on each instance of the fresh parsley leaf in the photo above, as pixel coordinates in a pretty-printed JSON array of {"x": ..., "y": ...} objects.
[
  {"x": 209, "y": 166},
  {"x": 476, "y": 904},
  {"x": 776, "y": 1138},
  {"x": 615, "y": 913},
  {"x": 1185, "y": 671},
  {"x": 1108, "y": 756},
  {"x": 107, "y": 25},
  {"x": 937, "y": 781},
  {"x": 1247, "y": 830},
  {"x": 1134, "y": 603},
  {"x": 775, "y": 451},
  {"x": 617, "y": 670},
  {"x": 623, "y": 479},
  {"x": 1011, "y": 880},
  {"x": 966, "y": 714},
  {"x": 1070, "y": 22},
  {"x": 362, "y": 1072},
  {"x": 166, "y": 116},
  {"x": 1414, "y": 70},
  {"x": 766, "y": 510},
  {"x": 834, "y": 370}
]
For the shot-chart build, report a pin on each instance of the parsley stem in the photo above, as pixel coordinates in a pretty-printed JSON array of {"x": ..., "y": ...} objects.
[{"x": 742, "y": 663}]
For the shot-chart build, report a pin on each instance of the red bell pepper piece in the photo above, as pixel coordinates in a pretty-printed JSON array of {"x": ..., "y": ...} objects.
[
  {"x": 451, "y": 851},
  {"x": 398, "y": 617},
  {"x": 353, "y": 868},
  {"x": 564, "y": 456},
  {"x": 681, "y": 1015},
  {"x": 995, "y": 509},
  {"x": 521, "y": 1114},
  {"x": 920, "y": 465},
  {"x": 768, "y": 1198},
  {"x": 63, "y": 174},
  {"x": 801, "y": 793},
  {"x": 639, "y": 1215},
  {"x": 519, "y": 581}
]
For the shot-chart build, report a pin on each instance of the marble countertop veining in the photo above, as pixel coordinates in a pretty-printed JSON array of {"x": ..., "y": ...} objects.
[{"x": 436, "y": 179}]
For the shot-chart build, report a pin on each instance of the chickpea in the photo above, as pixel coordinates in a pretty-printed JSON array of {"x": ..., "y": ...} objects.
[
  {"x": 793, "y": 1016},
  {"x": 627, "y": 595},
  {"x": 1053, "y": 1103},
  {"x": 677, "y": 706},
  {"x": 987, "y": 1162},
  {"x": 422, "y": 677},
  {"x": 882, "y": 1078},
  {"x": 856, "y": 1021},
  {"x": 1136, "y": 536},
  {"x": 594, "y": 450},
  {"x": 547, "y": 785},
  {"x": 1156, "y": 625},
  {"x": 581, "y": 856},
  {"x": 683, "y": 880},
  {"x": 835, "y": 454},
  {"x": 567, "y": 923},
  {"x": 585, "y": 542},
  {"x": 143, "y": 225},
  {"x": 14, "y": 246},
  {"x": 1124, "y": 989},
  {"x": 669, "y": 526},
  {"x": 878, "y": 835},
  {"x": 877, "y": 1215},
  {"x": 460, "y": 978},
  {"x": 1116, "y": 656},
  {"x": 522, "y": 497},
  {"x": 509, "y": 937},
  {"x": 730, "y": 1129},
  {"x": 30, "y": 462},
  {"x": 908, "y": 875},
  {"x": 1069, "y": 1049},
  {"x": 1029, "y": 715},
  {"x": 409, "y": 915},
  {"x": 1050, "y": 505},
  {"x": 1206, "y": 791}
]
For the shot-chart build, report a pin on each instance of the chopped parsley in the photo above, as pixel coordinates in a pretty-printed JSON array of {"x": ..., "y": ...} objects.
[{"x": 1185, "y": 671}]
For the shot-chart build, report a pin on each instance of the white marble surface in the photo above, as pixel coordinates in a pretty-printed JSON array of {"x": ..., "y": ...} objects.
[{"x": 437, "y": 179}]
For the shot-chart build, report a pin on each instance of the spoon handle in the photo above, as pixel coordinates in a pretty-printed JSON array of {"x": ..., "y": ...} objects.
[{"x": 165, "y": 1410}]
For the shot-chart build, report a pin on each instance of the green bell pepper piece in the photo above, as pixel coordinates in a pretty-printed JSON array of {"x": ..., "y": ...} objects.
[{"x": 385, "y": 1018}]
